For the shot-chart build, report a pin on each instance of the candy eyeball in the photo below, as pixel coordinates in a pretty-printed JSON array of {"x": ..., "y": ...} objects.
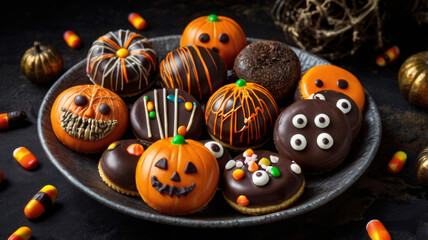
[
  {"x": 344, "y": 105},
  {"x": 260, "y": 178},
  {"x": 322, "y": 120},
  {"x": 325, "y": 141},
  {"x": 215, "y": 148},
  {"x": 317, "y": 96},
  {"x": 300, "y": 121},
  {"x": 298, "y": 142}
]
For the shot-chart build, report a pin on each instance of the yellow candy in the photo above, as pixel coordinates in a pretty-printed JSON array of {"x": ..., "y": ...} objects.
[
  {"x": 188, "y": 106},
  {"x": 264, "y": 161}
]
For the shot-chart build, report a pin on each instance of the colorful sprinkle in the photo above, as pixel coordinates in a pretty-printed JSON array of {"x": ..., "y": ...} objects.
[
  {"x": 152, "y": 114},
  {"x": 242, "y": 200},
  {"x": 274, "y": 159},
  {"x": 72, "y": 39},
  {"x": 137, "y": 21},
  {"x": 182, "y": 130},
  {"x": 239, "y": 164},
  {"x": 252, "y": 166},
  {"x": 377, "y": 230},
  {"x": 171, "y": 98},
  {"x": 230, "y": 164},
  {"x": 135, "y": 149},
  {"x": 274, "y": 171},
  {"x": 146, "y": 97},
  {"x": 150, "y": 106},
  {"x": 397, "y": 162},
  {"x": 238, "y": 174},
  {"x": 188, "y": 106},
  {"x": 295, "y": 168}
]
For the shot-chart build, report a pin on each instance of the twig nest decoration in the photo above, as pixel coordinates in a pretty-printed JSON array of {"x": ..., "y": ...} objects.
[
  {"x": 41, "y": 64},
  {"x": 413, "y": 79},
  {"x": 421, "y": 167},
  {"x": 329, "y": 28}
]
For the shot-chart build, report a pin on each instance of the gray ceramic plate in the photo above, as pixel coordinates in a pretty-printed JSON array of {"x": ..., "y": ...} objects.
[{"x": 81, "y": 169}]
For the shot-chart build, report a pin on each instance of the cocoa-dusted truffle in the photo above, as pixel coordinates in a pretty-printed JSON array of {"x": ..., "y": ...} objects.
[{"x": 271, "y": 64}]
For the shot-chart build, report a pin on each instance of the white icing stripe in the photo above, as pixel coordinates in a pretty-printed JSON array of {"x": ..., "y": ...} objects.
[
  {"x": 155, "y": 95},
  {"x": 149, "y": 131},
  {"x": 165, "y": 113},
  {"x": 175, "y": 111},
  {"x": 191, "y": 117}
]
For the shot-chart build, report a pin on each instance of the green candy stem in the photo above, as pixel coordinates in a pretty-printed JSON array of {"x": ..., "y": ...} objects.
[
  {"x": 178, "y": 140},
  {"x": 241, "y": 83},
  {"x": 212, "y": 18}
]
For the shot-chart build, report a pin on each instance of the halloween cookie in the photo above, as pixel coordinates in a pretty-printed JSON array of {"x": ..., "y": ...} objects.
[
  {"x": 87, "y": 118},
  {"x": 346, "y": 105},
  {"x": 222, "y": 34},
  {"x": 163, "y": 113},
  {"x": 241, "y": 115},
  {"x": 314, "y": 133},
  {"x": 122, "y": 61},
  {"x": 177, "y": 176},
  {"x": 330, "y": 77},
  {"x": 260, "y": 182},
  {"x": 195, "y": 69},
  {"x": 220, "y": 153},
  {"x": 117, "y": 165},
  {"x": 271, "y": 64}
]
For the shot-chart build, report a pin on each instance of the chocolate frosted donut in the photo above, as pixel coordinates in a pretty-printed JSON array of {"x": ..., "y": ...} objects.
[
  {"x": 259, "y": 182},
  {"x": 346, "y": 105},
  {"x": 195, "y": 69},
  {"x": 271, "y": 64},
  {"x": 314, "y": 133},
  {"x": 122, "y": 61},
  {"x": 118, "y": 163},
  {"x": 163, "y": 113}
]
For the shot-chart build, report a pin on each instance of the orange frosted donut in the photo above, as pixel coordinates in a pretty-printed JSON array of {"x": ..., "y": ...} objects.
[{"x": 330, "y": 77}]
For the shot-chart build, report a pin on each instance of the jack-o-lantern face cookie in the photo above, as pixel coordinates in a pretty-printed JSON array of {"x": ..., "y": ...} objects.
[
  {"x": 87, "y": 118},
  {"x": 346, "y": 105},
  {"x": 330, "y": 77},
  {"x": 314, "y": 133},
  {"x": 259, "y": 182}
]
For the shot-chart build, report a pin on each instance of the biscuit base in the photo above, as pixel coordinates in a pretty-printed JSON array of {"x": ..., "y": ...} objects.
[
  {"x": 114, "y": 186},
  {"x": 267, "y": 209}
]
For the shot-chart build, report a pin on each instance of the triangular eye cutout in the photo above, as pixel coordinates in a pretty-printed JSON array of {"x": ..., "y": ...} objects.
[
  {"x": 190, "y": 168},
  {"x": 162, "y": 163}
]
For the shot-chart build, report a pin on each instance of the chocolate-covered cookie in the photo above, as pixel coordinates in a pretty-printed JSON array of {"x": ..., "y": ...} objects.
[
  {"x": 314, "y": 133},
  {"x": 163, "y": 113},
  {"x": 259, "y": 182},
  {"x": 118, "y": 163},
  {"x": 271, "y": 64},
  {"x": 346, "y": 105}
]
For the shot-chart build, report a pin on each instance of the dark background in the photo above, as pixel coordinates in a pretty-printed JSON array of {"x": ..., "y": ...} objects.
[{"x": 397, "y": 200}]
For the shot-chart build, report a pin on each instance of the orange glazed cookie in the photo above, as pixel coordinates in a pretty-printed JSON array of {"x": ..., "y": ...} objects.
[{"x": 330, "y": 77}]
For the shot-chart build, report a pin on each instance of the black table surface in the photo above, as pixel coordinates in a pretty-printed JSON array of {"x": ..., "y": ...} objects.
[{"x": 395, "y": 199}]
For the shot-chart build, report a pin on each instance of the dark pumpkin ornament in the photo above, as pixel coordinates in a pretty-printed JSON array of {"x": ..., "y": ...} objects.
[
  {"x": 41, "y": 64},
  {"x": 421, "y": 167}
]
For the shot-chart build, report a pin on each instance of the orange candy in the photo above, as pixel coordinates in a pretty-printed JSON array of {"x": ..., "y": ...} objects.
[
  {"x": 252, "y": 167},
  {"x": 137, "y": 21},
  {"x": 238, "y": 174},
  {"x": 388, "y": 56},
  {"x": 72, "y": 39},
  {"x": 23, "y": 233},
  {"x": 25, "y": 158},
  {"x": 41, "y": 201},
  {"x": 135, "y": 149},
  {"x": 248, "y": 153},
  {"x": 397, "y": 162},
  {"x": 182, "y": 130},
  {"x": 242, "y": 200},
  {"x": 377, "y": 231}
]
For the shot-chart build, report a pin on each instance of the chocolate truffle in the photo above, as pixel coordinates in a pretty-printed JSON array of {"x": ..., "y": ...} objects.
[{"x": 271, "y": 64}]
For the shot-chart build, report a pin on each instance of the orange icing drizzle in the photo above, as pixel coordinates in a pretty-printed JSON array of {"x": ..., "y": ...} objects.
[{"x": 246, "y": 100}]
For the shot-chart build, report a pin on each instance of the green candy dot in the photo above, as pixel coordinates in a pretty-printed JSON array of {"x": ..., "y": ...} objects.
[
  {"x": 152, "y": 114},
  {"x": 241, "y": 83},
  {"x": 146, "y": 97},
  {"x": 275, "y": 172},
  {"x": 178, "y": 140},
  {"x": 212, "y": 18}
]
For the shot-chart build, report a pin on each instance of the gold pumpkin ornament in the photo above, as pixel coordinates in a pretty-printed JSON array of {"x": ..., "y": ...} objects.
[
  {"x": 41, "y": 64},
  {"x": 413, "y": 79},
  {"x": 421, "y": 167}
]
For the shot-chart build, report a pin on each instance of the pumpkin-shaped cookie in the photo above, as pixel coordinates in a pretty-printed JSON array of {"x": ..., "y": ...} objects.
[
  {"x": 177, "y": 176},
  {"x": 220, "y": 33},
  {"x": 122, "y": 61},
  {"x": 241, "y": 115},
  {"x": 87, "y": 118}
]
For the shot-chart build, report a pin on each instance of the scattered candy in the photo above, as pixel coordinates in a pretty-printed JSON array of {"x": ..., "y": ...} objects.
[
  {"x": 152, "y": 114},
  {"x": 188, "y": 106},
  {"x": 1, "y": 177},
  {"x": 388, "y": 56},
  {"x": 248, "y": 153},
  {"x": 397, "y": 162},
  {"x": 275, "y": 172},
  {"x": 242, "y": 200},
  {"x": 252, "y": 167},
  {"x": 238, "y": 174},
  {"x": 41, "y": 201},
  {"x": 137, "y": 21},
  {"x": 274, "y": 159},
  {"x": 150, "y": 106},
  {"x": 239, "y": 164},
  {"x": 135, "y": 149},
  {"x": 23, "y": 233},
  {"x": 12, "y": 119},
  {"x": 230, "y": 164},
  {"x": 25, "y": 158},
  {"x": 72, "y": 39},
  {"x": 295, "y": 168},
  {"x": 171, "y": 98},
  {"x": 377, "y": 231},
  {"x": 182, "y": 130},
  {"x": 264, "y": 161}
]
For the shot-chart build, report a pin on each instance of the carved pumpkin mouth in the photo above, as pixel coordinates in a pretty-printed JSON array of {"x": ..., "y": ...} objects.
[
  {"x": 85, "y": 128},
  {"x": 171, "y": 190}
]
